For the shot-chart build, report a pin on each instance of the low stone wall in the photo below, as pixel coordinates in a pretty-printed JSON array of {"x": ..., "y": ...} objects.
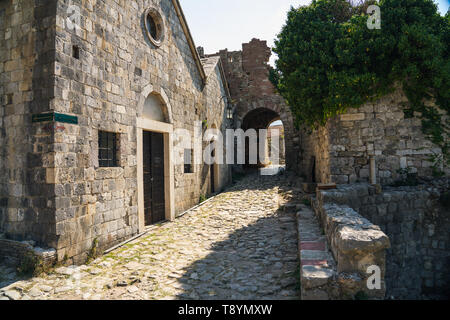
[
  {"x": 13, "y": 252},
  {"x": 356, "y": 244},
  {"x": 418, "y": 226}
]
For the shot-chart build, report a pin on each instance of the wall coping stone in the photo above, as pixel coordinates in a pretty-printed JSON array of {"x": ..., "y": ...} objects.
[
  {"x": 356, "y": 243},
  {"x": 11, "y": 252}
]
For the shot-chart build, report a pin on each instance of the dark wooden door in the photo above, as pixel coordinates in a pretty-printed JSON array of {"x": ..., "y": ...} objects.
[
  {"x": 211, "y": 173},
  {"x": 154, "y": 200}
]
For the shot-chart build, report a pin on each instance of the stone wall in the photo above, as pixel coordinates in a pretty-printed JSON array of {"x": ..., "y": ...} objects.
[
  {"x": 104, "y": 88},
  {"x": 12, "y": 253},
  {"x": 342, "y": 149},
  {"x": 314, "y": 158},
  {"x": 27, "y": 33},
  {"x": 417, "y": 225}
]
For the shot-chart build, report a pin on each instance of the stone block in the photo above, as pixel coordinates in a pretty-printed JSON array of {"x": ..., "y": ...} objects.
[
  {"x": 353, "y": 117},
  {"x": 315, "y": 276}
]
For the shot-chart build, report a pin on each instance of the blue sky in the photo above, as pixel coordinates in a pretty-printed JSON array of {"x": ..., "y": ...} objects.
[{"x": 220, "y": 24}]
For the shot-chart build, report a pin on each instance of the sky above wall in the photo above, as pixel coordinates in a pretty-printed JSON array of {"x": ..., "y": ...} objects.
[{"x": 221, "y": 24}]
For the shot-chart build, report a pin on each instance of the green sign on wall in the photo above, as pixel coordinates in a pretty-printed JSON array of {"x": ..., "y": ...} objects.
[{"x": 54, "y": 117}]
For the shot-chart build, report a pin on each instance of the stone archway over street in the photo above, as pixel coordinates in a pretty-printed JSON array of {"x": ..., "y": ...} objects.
[{"x": 254, "y": 96}]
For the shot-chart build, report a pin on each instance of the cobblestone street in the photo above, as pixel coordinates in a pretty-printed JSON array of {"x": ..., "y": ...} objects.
[{"x": 239, "y": 245}]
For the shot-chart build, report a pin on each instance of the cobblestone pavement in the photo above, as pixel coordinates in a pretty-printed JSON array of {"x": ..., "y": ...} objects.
[{"x": 240, "y": 245}]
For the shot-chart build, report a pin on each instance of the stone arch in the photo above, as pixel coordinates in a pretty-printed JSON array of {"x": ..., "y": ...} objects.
[
  {"x": 282, "y": 111},
  {"x": 161, "y": 95},
  {"x": 256, "y": 117}
]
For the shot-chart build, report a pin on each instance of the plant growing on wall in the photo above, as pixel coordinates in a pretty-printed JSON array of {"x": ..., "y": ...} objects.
[{"x": 330, "y": 61}]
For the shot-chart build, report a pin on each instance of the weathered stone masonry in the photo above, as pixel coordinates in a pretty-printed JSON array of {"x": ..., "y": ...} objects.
[
  {"x": 417, "y": 224},
  {"x": 340, "y": 151},
  {"x": 27, "y": 34},
  {"x": 256, "y": 102},
  {"x": 52, "y": 189}
]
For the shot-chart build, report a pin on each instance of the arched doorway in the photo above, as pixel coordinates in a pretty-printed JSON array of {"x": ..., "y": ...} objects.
[
  {"x": 154, "y": 152},
  {"x": 258, "y": 119}
]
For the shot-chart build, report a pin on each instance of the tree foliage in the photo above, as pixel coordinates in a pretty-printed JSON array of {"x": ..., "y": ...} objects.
[{"x": 329, "y": 60}]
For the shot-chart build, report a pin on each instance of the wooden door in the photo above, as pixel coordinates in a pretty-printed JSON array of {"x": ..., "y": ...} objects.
[
  {"x": 154, "y": 200},
  {"x": 211, "y": 173}
]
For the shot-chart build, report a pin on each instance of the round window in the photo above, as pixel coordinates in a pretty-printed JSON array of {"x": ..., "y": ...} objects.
[{"x": 154, "y": 26}]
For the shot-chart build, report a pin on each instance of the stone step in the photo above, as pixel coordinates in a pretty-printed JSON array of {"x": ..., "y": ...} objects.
[
  {"x": 322, "y": 263},
  {"x": 313, "y": 245},
  {"x": 317, "y": 264},
  {"x": 309, "y": 226},
  {"x": 306, "y": 215},
  {"x": 313, "y": 255},
  {"x": 316, "y": 276},
  {"x": 310, "y": 237}
]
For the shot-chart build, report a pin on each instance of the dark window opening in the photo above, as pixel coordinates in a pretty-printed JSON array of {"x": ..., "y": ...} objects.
[
  {"x": 107, "y": 149},
  {"x": 9, "y": 98},
  {"x": 313, "y": 170},
  {"x": 152, "y": 27},
  {"x": 138, "y": 71},
  {"x": 188, "y": 157},
  {"x": 76, "y": 52}
]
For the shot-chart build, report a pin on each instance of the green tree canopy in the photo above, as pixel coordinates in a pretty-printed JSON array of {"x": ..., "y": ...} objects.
[{"x": 329, "y": 60}]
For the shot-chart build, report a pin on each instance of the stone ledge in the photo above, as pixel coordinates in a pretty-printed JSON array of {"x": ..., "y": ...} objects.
[
  {"x": 356, "y": 243},
  {"x": 350, "y": 233},
  {"x": 12, "y": 252},
  {"x": 316, "y": 276}
]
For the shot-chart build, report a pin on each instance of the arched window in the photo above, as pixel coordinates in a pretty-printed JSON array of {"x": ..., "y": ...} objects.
[{"x": 154, "y": 109}]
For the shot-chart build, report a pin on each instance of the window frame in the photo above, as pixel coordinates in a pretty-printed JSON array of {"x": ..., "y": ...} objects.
[
  {"x": 108, "y": 156},
  {"x": 158, "y": 23}
]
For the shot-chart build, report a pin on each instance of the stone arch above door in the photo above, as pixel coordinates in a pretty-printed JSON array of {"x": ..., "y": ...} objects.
[
  {"x": 282, "y": 110},
  {"x": 158, "y": 93}
]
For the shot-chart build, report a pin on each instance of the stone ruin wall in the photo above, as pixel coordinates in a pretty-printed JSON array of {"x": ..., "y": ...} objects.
[
  {"x": 314, "y": 157},
  {"x": 247, "y": 73},
  {"x": 51, "y": 188},
  {"x": 342, "y": 149},
  {"x": 417, "y": 224}
]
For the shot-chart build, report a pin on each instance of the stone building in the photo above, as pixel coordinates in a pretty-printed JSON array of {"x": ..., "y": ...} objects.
[{"x": 92, "y": 93}]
